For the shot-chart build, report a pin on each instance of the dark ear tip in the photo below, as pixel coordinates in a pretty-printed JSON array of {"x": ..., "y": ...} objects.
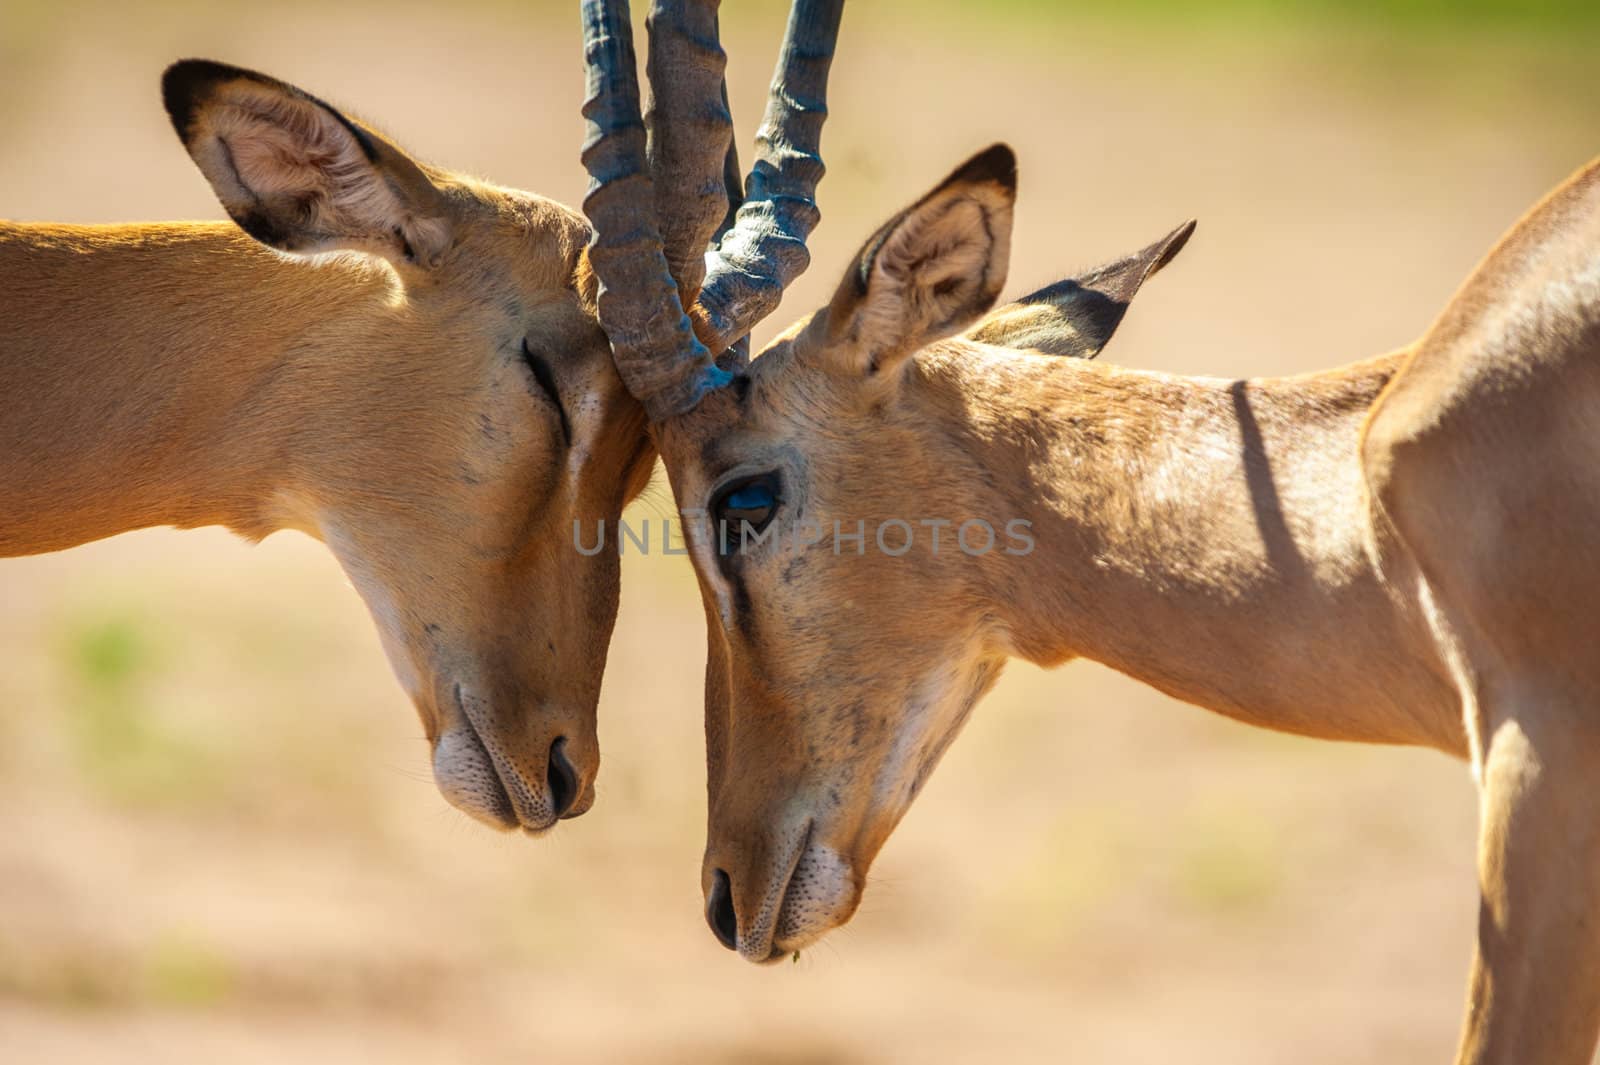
[
  {"x": 1173, "y": 244},
  {"x": 186, "y": 83},
  {"x": 996, "y": 163}
]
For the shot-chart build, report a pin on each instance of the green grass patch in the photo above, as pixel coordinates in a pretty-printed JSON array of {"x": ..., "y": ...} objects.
[
  {"x": 67, "y": 978},
  {"x": 1496, "y": 59},
  {"x": 181, "y": 970},
  {"x": 1229, "y": 863},
  {"x": 178, "y": 969},
  {"x": 1077, "y": 867},
  {"x": 1535, "y": 17},
  {"x": 111, "y": 660}
]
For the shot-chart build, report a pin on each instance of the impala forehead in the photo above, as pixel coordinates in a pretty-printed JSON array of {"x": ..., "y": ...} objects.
[
  {"x": 754, "y": 424},
  {"x": 700, "y": 441}
]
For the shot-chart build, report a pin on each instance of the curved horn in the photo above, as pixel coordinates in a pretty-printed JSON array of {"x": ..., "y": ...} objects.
[
  {"x": 661, "y": 361},
  {"x": 766, "y": 248},
  {"x": 690, "y": 133}
]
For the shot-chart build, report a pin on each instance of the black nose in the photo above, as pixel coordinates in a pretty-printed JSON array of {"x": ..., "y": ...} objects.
[
  {"x": 562, "y": 778},
  {"x": 719, "y": 911}
]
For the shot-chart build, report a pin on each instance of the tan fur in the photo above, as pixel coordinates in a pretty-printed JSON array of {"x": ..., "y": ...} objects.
[
  {"x": 1238, "y": 544},
  {"x": 1482, "y": 459},
  {"x": 182, "y": 374}
]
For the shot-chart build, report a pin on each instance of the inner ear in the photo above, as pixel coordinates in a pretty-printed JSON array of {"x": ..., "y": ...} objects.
[
  {"x": 931, "y": 270},
  {"x": 940, "y": 262},
  {"x": 298, "y": 175}
]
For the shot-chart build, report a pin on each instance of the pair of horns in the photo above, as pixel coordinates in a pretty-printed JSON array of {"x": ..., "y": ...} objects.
[{"x": 687, "y": 264}]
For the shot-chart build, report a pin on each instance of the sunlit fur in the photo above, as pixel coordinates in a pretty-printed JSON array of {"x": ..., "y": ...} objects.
[
  {"x": 1401, "y": 550},
  {"x": 183, "y": 374}
]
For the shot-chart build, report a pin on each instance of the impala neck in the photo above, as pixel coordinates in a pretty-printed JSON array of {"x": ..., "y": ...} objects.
[
  {"x": 161, "y": 375},
  {"x": 1208, "y": 537}
]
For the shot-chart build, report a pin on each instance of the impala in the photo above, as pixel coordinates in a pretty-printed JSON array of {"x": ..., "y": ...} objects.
[
  {"x": 437, "y": 403},
  {"x": 1401, "y": 550}
]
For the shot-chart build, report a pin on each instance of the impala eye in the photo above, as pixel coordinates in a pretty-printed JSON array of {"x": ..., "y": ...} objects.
[{"x": 745, "y": 507}]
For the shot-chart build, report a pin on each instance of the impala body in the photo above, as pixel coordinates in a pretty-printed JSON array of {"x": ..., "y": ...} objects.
[
  {"x": 434, "y": 400},
  {"x": 1401, "y": 550}
]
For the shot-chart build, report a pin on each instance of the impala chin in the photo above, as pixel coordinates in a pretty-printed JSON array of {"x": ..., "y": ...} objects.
[
  {"x": 466, "y": 777},
  {"x": 822, "y": 894},
  {"x": 779, "y": 876}
]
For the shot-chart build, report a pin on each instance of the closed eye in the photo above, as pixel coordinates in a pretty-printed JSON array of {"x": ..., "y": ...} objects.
[{"x": 547, "y": 381}]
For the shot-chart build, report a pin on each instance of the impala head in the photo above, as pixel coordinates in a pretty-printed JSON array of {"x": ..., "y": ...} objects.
[
  {"x": 839, "y": 670},
  {"x": 836, "y": 678},
  {"x": 443, "y": 440}
]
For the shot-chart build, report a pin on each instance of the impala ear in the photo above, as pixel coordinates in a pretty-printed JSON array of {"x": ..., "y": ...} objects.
[
  {"x": 930, "y": 270},
  {"x": 1077, "y": 317},
  {"x": 299, "y": 176}
]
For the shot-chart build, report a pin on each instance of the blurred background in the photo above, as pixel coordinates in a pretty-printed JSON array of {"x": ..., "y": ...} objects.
[{"x": 219, "y": 840}]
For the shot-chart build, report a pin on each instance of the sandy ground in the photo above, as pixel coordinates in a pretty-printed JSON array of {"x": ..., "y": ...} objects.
[{"x": 218, "y": 837}]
